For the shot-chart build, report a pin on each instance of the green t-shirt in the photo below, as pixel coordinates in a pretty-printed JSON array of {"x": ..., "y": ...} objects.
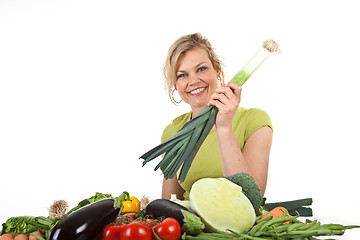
[{"x": 207, "y": 162}]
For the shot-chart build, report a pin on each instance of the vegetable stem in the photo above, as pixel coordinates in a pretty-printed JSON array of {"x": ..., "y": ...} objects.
[{"x": 118, "y": 201}]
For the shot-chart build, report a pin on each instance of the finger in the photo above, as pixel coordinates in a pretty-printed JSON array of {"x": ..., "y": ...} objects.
[
  {"x": 220, "y": 89},
  {"x": 217, "y": 104},
  {"x": 236, "y": 89},
  {"x": 220, "y": 97},
  {"x": 228, "y": 92},
  {"x": 225, "y": 90}
]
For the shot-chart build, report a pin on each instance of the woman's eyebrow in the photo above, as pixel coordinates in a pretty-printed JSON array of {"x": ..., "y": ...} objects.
[
  {"x": 200, "y": 64},
  {"x": 196, "y": 66}
]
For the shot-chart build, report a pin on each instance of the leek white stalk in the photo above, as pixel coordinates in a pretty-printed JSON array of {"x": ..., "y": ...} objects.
[
  {"x": 181, "y": 148},
  {"x": 269, "y": 46}
]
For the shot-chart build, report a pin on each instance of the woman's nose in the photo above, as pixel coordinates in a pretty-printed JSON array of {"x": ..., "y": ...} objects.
[{"x": 193, "y": 79}]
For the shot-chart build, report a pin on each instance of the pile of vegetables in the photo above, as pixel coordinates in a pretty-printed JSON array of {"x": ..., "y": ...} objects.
[
  {"x": 103, "y": 217},
  {"x": 237, "y": 199},
  {"x": 218, "y": 209}
]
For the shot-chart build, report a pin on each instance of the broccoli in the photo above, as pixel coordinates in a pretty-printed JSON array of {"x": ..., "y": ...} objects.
[{"x": 250, "y": 189}]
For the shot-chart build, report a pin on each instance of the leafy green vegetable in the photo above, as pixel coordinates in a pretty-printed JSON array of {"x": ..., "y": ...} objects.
[
  {"x": 221, "y": 205},
  {"x": 98, "y": 196},
  {"x": 29, "y": 224},
  {"x": 19, "y": 225}
]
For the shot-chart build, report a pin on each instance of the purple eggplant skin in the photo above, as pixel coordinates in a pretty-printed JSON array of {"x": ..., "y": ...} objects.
[
  {"x": 87, "y": 222},
  {"x": 165, "y": 208}
]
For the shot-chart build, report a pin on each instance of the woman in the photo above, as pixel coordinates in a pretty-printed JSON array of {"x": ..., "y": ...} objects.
[{"x": 241, "y": 138}]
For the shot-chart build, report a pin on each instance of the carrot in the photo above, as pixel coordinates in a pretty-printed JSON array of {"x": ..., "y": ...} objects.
[
  {"x": 35, "y": 233},
  {"x": 278, "y": 212},
  {"x": 7, "y": 236}
]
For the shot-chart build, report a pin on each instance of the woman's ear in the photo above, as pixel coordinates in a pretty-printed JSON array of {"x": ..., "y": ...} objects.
[
  {"x": 219, "y": 78},
  {"x": 218, "y": 74}
]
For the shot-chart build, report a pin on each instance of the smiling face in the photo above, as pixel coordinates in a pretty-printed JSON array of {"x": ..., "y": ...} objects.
[{"x": 196, "y": 78}]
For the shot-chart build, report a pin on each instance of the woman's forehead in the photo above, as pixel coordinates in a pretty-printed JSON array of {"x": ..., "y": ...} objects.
[{"x": 193, "y": 58}]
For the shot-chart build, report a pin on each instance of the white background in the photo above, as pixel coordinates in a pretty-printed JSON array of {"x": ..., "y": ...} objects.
[{"x": 82, "y": 97}]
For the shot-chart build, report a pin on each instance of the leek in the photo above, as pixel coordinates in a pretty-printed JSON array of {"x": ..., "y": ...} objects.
[{"x": 181, "y": 148}]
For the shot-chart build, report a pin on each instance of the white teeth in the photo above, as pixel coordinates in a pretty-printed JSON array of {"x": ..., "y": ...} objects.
[{"x": 197, "y": 90}]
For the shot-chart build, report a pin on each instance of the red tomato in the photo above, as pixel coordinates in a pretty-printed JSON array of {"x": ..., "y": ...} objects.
[
  {"x": 130, "y": 216},
  {"x": 150, "y": 223},
  {"x": 127, "y": 216},
  {"x": 112, "y": 232},
  {"x": 136, "y": 231},
  {"x": 169, "y": 229}
]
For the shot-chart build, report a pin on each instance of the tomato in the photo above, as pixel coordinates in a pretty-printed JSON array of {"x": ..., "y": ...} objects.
[
  {"x": 169, "y": 229},
  {"x": 132, "y": 205},
  {"x": 136, "y": 231},
  {"x": 150, "y": 223},
  {"x": 112, "y": 232},
  {"x": 127, "y": 216}
]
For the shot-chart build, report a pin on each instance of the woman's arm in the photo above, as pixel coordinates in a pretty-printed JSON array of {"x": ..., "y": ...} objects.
[
  {"x": 254, "y": 159},
  {"x": 172, "y": 186}
]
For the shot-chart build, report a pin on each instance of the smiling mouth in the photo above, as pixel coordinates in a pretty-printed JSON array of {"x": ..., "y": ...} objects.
[{"x": 197, "y": 91}]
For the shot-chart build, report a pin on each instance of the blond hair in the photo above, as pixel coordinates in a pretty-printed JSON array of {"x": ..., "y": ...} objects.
[{"x": 179, "y": 48}]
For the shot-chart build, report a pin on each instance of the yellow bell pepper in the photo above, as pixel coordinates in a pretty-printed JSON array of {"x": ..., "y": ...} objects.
[{"x": 132, "y": 205}]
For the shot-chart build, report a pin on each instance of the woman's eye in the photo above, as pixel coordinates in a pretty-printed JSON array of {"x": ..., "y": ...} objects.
[
  {"x": 181, "y": 75},
  {"x": 202, "y": 69}
]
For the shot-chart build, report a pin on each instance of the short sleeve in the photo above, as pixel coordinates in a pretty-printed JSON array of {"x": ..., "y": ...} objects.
[
  {"x": 256, "y": 119},
  {"x": 175, "y": 126}
]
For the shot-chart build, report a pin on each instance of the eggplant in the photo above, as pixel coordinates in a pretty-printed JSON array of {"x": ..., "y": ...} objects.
[
  {"x": 87, "y": 222},
  {"x": 163, "y": 208}
]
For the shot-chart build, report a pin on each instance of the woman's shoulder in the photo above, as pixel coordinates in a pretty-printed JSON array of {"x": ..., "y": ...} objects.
[
  {"x": 181, "y": 120},
  {"x": 176, "y": 124},
  {"x": 251, "y": 112},
  {"x": 252, "y": 118}
]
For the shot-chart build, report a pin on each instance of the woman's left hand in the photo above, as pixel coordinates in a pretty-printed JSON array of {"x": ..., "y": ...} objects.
[{"x": 226, "y": 99}]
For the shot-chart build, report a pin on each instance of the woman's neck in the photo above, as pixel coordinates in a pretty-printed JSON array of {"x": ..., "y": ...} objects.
[{"x": 195, "y": 112}]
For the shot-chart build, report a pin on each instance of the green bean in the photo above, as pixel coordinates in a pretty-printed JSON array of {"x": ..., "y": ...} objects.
[
  {"x": 294, "y": 226},
  {"x": 220, "y": 235},
  {"x": 189, "y": 237},
  {"x": 351, "y": 226},
  {"x": 278, "y": 224},
  {"x": 273, "y": 221},
  {"x": 307, "y": 233},
  {"x": 333, "y": 226},
  {"x": 306, "y": 226},
  {"x": 265, "y": 219},
  {"x": 208, "y": 236},
  {"x": 278, "y": 229},
  {"x": 246, "y": 236},
  {"x": 314, "y": 226},
  {"x": 256, "y": 228}
]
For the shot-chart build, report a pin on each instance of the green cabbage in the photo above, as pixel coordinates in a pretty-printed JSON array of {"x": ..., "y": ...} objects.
[{"x": 221, "y": 205}]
